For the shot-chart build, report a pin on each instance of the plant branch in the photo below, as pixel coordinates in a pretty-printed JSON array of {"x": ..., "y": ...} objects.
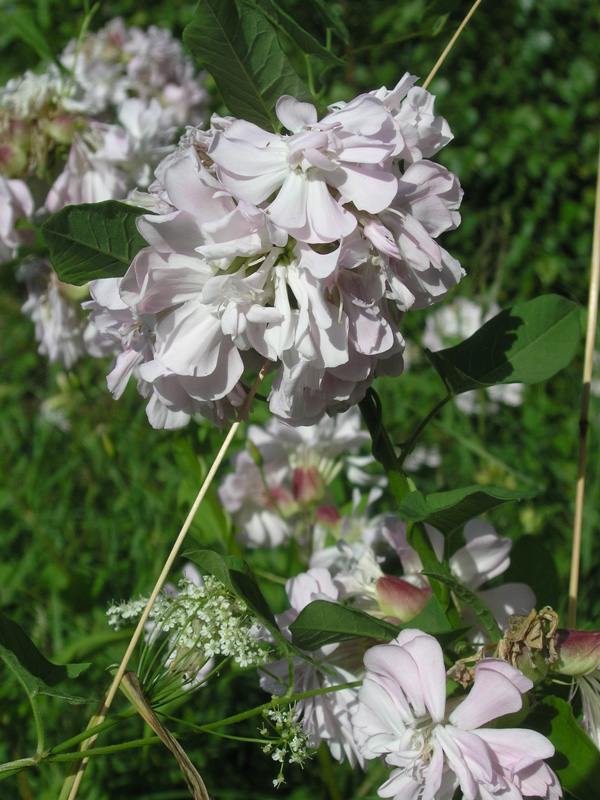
[{"x": 450, "y": 45}]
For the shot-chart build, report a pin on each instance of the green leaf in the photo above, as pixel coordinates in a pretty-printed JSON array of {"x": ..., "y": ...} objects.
[
  {"x": 440, "y": 573},
  {"x": 241, "y": 51},
  {"x": 448, "y": 511},
  {"x": 23, "y": 26},
  {"x": 331, "y": 19},
  {"x": 322, "y": 622},
  {"x": 93, "y": 240},
  {"x": 34, "y": 672},
  {"x": 577, "y": 759},
  {"x": 527, "y": 343},
  {"x": 305, "y": 41}
]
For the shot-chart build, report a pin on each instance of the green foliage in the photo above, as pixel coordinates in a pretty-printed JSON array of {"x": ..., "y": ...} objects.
[
  {"x": 441, "y": 574},
  {"x": 321, "y": 623},
  {"x": 528, "y": 343},
  {"x": 240, "y": 49},
  {"x": 448, "y": 511},
  {"x": 577, "y": 760},
  {"x": 93, "y": 240},
  {"x": 301, "y": 38},
  {"x": 34, "y": 672}
]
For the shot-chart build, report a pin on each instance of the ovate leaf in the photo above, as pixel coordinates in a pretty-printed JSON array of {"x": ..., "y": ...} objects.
[
  {"x": 577, "y": 759},
  {"x": 448, "y": 511},
  {"x": 31, "y": 668},
  {"x": 93, "y": 240},
  {"x": 527, "y": 343},
  {"x": 322, "y": 622},
  {"x": 241, "y": 51},
  {"x": 331, "y": 19},
  {"x": 302, "y": 38}
]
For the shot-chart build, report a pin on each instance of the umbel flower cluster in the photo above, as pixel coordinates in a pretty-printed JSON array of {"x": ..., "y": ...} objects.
[
  {"x": 202, "y": 620},
  {"x": 92, "y": 127},
  {"x": 303, "y": 247}
]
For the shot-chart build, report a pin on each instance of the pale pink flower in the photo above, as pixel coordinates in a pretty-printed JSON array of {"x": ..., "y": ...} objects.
[
  {"x": 16, "y": 203},
  {"x": 433, "y": 745},
  {"x": 283, "y": 494},
  {"x": 232, "y": 275},
  {"x": 53, "y": 308}
]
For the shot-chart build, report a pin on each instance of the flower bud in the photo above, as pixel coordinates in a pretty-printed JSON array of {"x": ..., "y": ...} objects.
[
  {"x": 13, "y": 160},
  {"x": 578, "y": 652},
  {"x": 308, "y": 485},
  {"x": 62, "y": 129},
  {"x": 399, "y": 599},
  {"x": 328, "y": 515}
]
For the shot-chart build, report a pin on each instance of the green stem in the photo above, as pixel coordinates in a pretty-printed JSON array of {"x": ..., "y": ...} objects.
[
  {"x": 382, "y": 448},
  {"x": 109, "y": 723},
  {"x": 408, "y": 445},
  {"x": 309, "y": 76},
  {"x": 39, "y": 726},
  {"x": 327, "y": 775}
]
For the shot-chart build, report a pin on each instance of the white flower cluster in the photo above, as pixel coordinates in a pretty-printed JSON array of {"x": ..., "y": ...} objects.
[
  {"x": 90, "y": 133},
  {"x": 202, "y": 621},
  {"x": 279, "y": 487},
  {"x": 303, "y": 248},
  {"x": 290, "y": 741}
]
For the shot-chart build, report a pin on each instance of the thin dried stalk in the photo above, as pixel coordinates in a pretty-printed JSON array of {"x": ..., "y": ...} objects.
[
  {"x": 450, "y": 44},
  {"x": 73, "y": 780},
  {"x": 590, "y": 338}
]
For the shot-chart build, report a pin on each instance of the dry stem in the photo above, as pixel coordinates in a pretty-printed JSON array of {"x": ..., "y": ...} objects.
[
  {"x": 585, "y": 407},
  {"x": 450, "y": 44}
]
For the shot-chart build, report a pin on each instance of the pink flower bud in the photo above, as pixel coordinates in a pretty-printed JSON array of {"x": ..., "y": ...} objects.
[
  {"x": 308, "y": 485},
  {"x": 399, "y": 599},
  {"x": 578, "y": 652},
  {"x": 13, "y": 160},
  {"x": 328, "y": 515},
  {"x": 62, "y": 129}
]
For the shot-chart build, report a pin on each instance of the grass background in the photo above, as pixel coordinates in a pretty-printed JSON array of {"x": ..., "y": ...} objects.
[{"x": 87, "y": 514}]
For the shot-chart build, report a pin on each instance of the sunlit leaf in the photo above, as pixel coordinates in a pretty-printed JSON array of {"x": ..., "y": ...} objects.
[
  {"x": 450, "y": 510},
  {"x": 93, "y": 240},
  {"x": 240, "y": 49},
  {"x": 527, "y": 343}
]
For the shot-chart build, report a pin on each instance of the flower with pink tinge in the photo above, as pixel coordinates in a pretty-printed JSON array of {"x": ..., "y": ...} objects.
[
  {"x": 52, "y": 307},
  {"x": 303, "y": 249},
  {"x": 349, "y": 150},
  {"x": 16, "y": 203},
  {"x": 435, "y": 746},
  {"x": 279, "y": 484},
  {"x": 325, "y": 717},
  {"x": 579, "y": 656},
  {"x": 484, "y": 556}
]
